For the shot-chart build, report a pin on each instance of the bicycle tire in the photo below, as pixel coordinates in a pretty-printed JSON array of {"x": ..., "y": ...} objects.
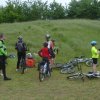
[
  {"x": 58, "y": 65},
  {"x": 89, "y": 63},
  {"x": 49, "y": 73},
  {"x": 41, "y": 76},
  {"x": 68, "y": 69},
  {"x": 76, "y": 76}
]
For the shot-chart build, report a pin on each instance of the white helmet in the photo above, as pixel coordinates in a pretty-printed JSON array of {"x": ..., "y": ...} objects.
[
  {"x": 47, "y": 35},
  {"x": 29, "y": 55}
]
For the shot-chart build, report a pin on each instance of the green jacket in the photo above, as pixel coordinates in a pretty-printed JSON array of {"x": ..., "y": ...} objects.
[{"x": 3, "y": 50}]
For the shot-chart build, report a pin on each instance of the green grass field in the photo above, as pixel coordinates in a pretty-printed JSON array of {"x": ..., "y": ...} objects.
[{"x": 73, "y": 38}]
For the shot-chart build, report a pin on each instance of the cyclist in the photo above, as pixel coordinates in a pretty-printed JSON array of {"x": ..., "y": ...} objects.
[
  {"x": 51, "y": 48},
  {"x": 95, "y": 55},
  {"x": 3, "y": 56},
  {"x": 21, "y": 48},
  {"x": 45, "y": 54}
]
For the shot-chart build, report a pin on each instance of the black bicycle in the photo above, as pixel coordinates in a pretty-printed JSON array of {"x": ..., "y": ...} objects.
[{"x": 42, "y": 67}]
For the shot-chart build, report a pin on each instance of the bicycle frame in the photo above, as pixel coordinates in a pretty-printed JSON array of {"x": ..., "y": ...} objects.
[
  {"x": 43, "y": 72},
  {"x": 79, "y": 74}
]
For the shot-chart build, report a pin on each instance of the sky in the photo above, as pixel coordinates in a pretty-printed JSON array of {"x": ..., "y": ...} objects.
[{"x": 63, "y": 2}]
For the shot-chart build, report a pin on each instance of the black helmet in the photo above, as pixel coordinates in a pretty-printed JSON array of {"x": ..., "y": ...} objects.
[{"x": 45, "y": 44}]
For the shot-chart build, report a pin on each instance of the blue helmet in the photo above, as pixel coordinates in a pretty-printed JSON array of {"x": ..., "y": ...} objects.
[{"x": 93, "y": 43}]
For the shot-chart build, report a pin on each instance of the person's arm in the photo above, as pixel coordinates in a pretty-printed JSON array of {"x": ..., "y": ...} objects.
[
  {"x": 16, "y": 46},
  {"x": 40, "y": 53},
  {"x": 2, "y": 49}
]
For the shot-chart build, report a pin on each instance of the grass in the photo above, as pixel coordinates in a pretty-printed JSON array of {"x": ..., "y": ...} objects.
[{"x": 73, "y": 38}]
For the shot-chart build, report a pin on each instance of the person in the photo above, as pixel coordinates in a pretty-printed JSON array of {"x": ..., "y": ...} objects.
[
  {"x": 21, "y": 48},
  {"x": 95, "y": 55},
  {"x": 3, "y": 57},
  {"x": 55, "y": 48},
  {"x": 30, "y": 61},
  {"x": 45, "y": 54},
  {"x": 50, "y": 47}
]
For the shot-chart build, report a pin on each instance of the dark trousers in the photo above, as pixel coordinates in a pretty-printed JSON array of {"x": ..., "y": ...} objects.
[
  {"x": 20, "y": 55},
  {"x": 46, "y": 60},
  {"x": 3, "y": 65}
]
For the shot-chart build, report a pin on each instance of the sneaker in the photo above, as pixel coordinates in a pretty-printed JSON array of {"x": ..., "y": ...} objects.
[
  {"x": 17, "y": 70},
  {"x": 6, "y": 78},
  {"x": 26, "y": 69},
  {"x": 1, "y": 74}
]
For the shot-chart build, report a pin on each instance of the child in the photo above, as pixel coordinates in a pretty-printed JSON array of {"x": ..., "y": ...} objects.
[
  {"x": 45, "y": 54},
  {"x": 30, "y": 62}
]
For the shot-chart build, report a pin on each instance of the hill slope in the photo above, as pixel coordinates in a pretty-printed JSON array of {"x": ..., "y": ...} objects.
[{"x": 73, "y": 38}]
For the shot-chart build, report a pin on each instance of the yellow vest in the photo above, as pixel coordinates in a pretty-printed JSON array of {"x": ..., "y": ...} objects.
[{"x": 94, "y": 52}]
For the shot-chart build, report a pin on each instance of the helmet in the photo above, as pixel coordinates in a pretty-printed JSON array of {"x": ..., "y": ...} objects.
[
  {"x": 47, "y": 35},
  {"x": 20, "y": 37},
  {"x": 45, "y": 44},
  {"x": 93, "y": 43},
  {"x": 53, "y": 40},
  {"x": 29, "y": 55}
]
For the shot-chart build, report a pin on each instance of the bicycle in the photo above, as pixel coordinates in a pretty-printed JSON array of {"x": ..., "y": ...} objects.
[
  {"x": 81, "y": 59},
  {"x": 79, "y": 74},
  {"x": 70, "y": 66},
  {"x": 87, "y": 61},
  {"x": 42, "y": 67}
]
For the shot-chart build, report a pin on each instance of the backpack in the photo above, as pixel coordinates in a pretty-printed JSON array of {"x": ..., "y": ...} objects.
[
  {"x": 20, "y": 46},
  {"x": 30, "y": 62}
]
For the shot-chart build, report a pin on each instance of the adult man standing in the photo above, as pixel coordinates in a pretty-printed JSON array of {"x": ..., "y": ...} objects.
[
  {"x": 21, "y": 48},
  {"x": 3, "y": 57}
]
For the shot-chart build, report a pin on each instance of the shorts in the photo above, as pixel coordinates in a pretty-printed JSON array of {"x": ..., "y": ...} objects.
[
  {"x": 52, "y": 53},
  {"x": 95, "y": 60}
]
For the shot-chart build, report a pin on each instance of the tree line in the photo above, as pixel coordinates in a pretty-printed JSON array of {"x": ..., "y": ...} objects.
[{"x": 17, "y": 11}]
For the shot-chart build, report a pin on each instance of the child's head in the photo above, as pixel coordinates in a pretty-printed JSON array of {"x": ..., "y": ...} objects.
[
  {"x": 29, "y": 55},
  {"x": 45, "y": 44},
  {"x": 93, "y": 43}
]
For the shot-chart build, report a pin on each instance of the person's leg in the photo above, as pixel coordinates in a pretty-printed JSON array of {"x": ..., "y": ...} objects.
[
  {"x": 3, "y": 68},
  {"x": 94, "y": 65},
  {"x": 18, "y": 61},
  {"x": 94, "y": 68}
]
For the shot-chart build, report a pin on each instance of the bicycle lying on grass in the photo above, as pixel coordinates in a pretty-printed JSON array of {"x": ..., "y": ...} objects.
[
  {"x": 69, "y": 66},
  {"x": 79, "y": 74},
  {"x": 42, "y": 67}
]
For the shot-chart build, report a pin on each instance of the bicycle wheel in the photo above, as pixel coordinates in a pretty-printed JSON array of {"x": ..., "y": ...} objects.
[
  {"x": 76, "y": 76},
  {"x": 68, "y": 70},
  {"x": 58, "y": 65},
  {"x": 49, "y": 73},
  {"x": 89, "y": 63},
  {"x": 41, "y": 76}
]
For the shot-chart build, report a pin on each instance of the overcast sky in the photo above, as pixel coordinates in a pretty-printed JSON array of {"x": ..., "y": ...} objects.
[{"x": 63, "y": 2}]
